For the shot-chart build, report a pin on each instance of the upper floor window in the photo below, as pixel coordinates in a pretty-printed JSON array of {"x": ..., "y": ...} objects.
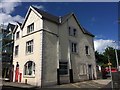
[
  {"x": 74, "y": 47},
  {"x": 63, "y": 67},
  {"x": 17, "y": 34},
  {"x": 30, "y": 28},
  {"x": 29, "y": 46},
  {"x": 29, "y": 68},
  {"x": 16, "y": 50},
  {"x": 87, "y": 50},
  {"x": 72, "y": 31}
]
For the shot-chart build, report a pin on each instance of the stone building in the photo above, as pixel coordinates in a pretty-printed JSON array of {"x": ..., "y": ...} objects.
[{"x": 52, "y": 50}]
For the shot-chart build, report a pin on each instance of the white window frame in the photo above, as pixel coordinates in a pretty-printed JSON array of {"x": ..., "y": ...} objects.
[
  {"x": 29, "y": 44},
  {"x": 30, "y": 28},
  {"x": 27, "y": 69}
]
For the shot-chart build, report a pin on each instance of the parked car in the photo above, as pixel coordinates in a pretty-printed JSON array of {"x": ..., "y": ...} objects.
[{"x": 106, "y": 72}]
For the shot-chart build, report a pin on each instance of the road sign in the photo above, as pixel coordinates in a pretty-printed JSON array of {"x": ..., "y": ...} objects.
[{"x": 109, "y": 64}]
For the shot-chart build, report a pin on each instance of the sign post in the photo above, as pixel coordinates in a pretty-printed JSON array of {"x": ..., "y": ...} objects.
[{"x": 109, "y": 64}]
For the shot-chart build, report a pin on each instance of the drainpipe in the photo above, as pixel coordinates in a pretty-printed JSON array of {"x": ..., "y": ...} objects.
[
  {"x": 58, "y": 55},
  {"x": 69, "y": 60},
  {"x": 69, "y": 63}
]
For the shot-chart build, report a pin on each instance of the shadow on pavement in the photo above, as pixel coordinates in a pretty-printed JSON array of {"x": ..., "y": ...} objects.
[{"x": 17, "y": 88}]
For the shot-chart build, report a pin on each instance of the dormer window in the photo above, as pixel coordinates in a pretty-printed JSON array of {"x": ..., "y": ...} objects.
[
  {"x": 17, "y": 34},
  {"x": 30, "y": 28},
  {"x": 72, "y": 31}
]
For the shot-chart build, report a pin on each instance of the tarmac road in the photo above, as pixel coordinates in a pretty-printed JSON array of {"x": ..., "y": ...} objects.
[{"x": 87, "y": 85}]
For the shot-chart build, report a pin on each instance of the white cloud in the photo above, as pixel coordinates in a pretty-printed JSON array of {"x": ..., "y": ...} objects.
[
  {"x": 101, "y": 44},
  {"x": 39, "y": 7},
  {"x": 5, "y": 18},
  {"x": 6, "y": 8}
]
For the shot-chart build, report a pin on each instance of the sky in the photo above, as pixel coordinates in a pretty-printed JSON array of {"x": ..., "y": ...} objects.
[{"x": 99, "y": 18}]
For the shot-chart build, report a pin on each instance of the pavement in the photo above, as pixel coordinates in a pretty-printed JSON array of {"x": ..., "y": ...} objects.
[{"x": 98, "y": 84}]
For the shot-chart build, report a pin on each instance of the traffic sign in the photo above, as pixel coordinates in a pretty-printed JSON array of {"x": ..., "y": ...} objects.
[{"x": 109, "y": 64}]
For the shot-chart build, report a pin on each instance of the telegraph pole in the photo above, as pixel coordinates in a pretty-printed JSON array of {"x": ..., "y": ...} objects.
[
  {"x": 116, "y": 55},
  {"x": 117, "y": 60},
  {"x": 109, "y": 64}
]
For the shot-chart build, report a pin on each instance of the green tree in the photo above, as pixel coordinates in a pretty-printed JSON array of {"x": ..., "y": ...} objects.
[
  {"x": 109, "y": 53},
  {"x": 100, "y": 58}
]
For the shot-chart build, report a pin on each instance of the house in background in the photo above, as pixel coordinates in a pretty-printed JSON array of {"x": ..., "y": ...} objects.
[
  {"x": 52, "y": 50},
  {"x": 7, "y": 50}
]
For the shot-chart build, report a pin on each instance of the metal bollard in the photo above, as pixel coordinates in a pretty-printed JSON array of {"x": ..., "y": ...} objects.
[{"x": 25, "y": 81}]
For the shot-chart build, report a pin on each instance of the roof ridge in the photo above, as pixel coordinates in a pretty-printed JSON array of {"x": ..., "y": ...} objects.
[
  {"x": 47, "y": 15},
  {"x": 43, "y": 11}
]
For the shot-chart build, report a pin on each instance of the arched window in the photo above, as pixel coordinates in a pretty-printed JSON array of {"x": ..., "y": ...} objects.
[{"x": 29, "y": 68}]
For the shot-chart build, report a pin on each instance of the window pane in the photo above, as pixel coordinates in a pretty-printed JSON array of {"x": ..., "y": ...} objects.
[
  {"x": 30, "y": 28},
  {"x": 87, "y": 49},
  {"x": 74, "y": 47},
  {"x": 29, "y": 68},
  {"x": 74, "y": 32},
  {"x": 16, "y": 50},
  {"x": 29, "y": 46},
  {"x": 17, "y": 35}
]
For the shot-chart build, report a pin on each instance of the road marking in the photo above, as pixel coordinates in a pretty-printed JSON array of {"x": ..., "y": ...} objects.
[
  {"x": 76, "y": 86},
  {"x": 92, "y": 85}
]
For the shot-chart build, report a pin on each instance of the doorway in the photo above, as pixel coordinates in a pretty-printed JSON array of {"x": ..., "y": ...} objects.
[{"x": 90, "y": 71}]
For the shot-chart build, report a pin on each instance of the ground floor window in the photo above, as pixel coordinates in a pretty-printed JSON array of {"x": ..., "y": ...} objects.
[
  {"x": 82, "y": 69},
  {"x": 63, "y": 68},
  {"x": 29, "y": 68}
]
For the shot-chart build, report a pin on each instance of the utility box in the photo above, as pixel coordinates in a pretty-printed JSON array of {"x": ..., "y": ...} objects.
[{"x": 116, "y": 80}]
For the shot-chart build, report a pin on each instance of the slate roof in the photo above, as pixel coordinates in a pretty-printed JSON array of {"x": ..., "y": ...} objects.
[
  {"x": 19, "y": 23},
  {"x": 63, "y": 18},
  {"x": 87, "y": 32},
  {"x": 12, "y": 26},
  {"x": 16, "y": 26},
  {"x": 47, "y": 15}
]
